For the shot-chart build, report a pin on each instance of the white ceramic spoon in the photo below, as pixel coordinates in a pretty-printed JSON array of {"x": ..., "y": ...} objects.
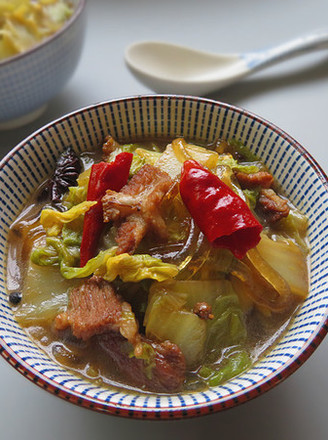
[{"x": 168, "y": 68}]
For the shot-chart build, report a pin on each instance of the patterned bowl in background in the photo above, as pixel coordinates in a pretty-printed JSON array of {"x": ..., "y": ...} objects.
[
  {"x": 302, "y": 180},
  {"x": 28, "y": 81}
]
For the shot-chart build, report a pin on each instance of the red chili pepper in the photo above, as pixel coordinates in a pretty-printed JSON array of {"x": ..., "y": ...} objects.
[
  {"x": 222, "y": 216},
  {"x": 104, "y": 175}
]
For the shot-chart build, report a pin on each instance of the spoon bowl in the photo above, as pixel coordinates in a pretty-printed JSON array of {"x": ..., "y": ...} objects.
[{"x": 170, "y": 68}]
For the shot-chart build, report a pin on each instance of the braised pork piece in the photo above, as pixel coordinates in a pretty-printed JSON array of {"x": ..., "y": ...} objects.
[
  {"x": 136, "y": 207},
  {"x": 158, "y": 266}
]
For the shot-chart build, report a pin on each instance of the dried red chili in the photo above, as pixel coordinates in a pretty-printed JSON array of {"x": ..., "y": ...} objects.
[
  {"x": 104, "y": 175},
  {"x": 222, "y": 216}
]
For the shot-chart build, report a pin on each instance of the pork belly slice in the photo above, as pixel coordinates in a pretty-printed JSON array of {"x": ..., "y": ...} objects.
[
  {"x": 167, "y": 374},
  {"x": 95, "y": 308},
  {"x": 261, "y": 178},
  {"x": 136, "y": 208},
  {"x": 272, "y": 206},
  {"x": 109, "y": 145}
]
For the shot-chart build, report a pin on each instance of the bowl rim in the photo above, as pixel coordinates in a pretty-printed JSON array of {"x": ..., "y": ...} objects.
[
  {"x": 78, "y": 9},
  {"x": 194, "y": 409}
]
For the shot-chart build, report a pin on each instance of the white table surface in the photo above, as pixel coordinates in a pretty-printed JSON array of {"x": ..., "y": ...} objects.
[{"x": 294, "y": 96}]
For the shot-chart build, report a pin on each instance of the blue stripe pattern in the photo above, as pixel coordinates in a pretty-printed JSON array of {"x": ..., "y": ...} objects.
[{"x": 168, "y": 116}]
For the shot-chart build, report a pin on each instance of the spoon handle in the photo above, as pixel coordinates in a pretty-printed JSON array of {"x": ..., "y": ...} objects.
[{"x": 314, "y": 41}]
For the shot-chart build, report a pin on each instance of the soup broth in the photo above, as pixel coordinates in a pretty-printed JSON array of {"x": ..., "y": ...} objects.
[{"x": 129, "y": 267}]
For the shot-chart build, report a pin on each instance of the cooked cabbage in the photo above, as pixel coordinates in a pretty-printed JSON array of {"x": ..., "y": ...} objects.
[
  {"x": 167, "y": 319},
  {"x": 179, "y": 151},
  {"x": 295, "y": 226},
  {"x": 273, "y": 275},
  {"x": 227, "y": 328},
  {"x": 63, "y": 251},
  {"x": 53, "y": 220},
  {"x": 25, "y": 23},
  {"x": 78, "y": 194},
  {"x": 234, "y": 362},
  {"x": 45, "y": 295},
  {"x": 149, "y": 157},
  {"x": 134, "y": 268},
  {"x": 288, "y": 260},
  {"x": 203, "y": 299},
  {"x": 130, "y": 268},
  {"x": 170, "y": 315}
]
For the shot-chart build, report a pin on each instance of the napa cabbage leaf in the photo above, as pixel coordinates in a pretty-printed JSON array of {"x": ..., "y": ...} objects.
[
  {"x": 170, "y": 315},
  {"x": 130, "y": 268},
  {"x": 45, "y": 295},
  {"x": 235, "y": 361},
  {"x": 65, "y": 248},
  {"x": 227, "y": 328},
  {"x": 78, "y": 194},
  {"x": 53, "y": 221}
]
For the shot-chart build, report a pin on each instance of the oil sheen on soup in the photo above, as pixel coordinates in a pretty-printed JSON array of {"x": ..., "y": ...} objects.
[{"x": 159, "y": 265}]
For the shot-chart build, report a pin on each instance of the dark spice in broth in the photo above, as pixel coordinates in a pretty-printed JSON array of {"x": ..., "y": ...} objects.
[{"x": 133, "y": 315}]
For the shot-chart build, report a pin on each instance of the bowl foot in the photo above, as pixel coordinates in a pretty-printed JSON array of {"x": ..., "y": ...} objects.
[{"x": 22, "y": 120}]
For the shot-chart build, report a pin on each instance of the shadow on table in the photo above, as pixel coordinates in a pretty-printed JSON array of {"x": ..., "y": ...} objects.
[
  {"x": 292, "y": 410},
  {"x": 246, "y": 89},
  {"x": 269, "y": 417},
  {"x": 55, "y": 109}
]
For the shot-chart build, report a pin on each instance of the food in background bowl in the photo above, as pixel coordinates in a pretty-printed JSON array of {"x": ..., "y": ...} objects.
[
  {"x": 31, "y": 78},
  {"x": 164, "y": 117},
  {"x": 164, "y": 266},
  {"x": 25, "y": 23}
]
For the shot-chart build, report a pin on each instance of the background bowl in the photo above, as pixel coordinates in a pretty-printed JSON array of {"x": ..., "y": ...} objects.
[
  {"x": 22, "y": 170},
  {"x": 29, "y": 80}
]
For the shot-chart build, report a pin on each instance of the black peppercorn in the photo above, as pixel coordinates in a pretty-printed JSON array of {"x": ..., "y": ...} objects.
[{"x": 15, "y": 298}]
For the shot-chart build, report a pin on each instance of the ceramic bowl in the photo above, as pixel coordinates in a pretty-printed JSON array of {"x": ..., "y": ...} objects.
[
  {"x": 27, "y": 165},
  {"x": 28, "y": 81}
]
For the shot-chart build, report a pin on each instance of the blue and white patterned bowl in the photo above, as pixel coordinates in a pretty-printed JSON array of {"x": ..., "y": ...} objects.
[
  {"x": 29, "y": 80},
  {"x": 156, "y": 116}
]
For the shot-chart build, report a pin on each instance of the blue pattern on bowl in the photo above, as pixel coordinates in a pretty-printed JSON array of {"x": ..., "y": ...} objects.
[
  {"x": 29, "y": 80},
  {"x": 149, "y": 116}
]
